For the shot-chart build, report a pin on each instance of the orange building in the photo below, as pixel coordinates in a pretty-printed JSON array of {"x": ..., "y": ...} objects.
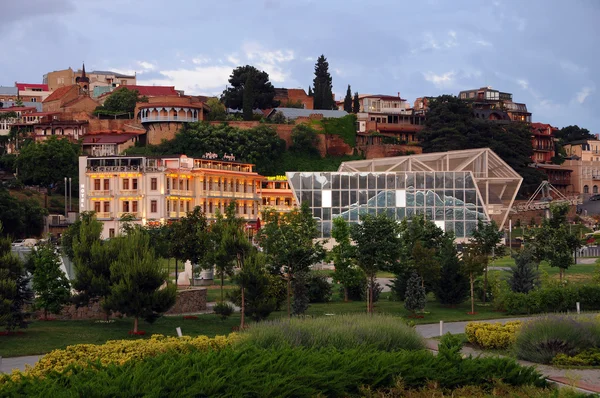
[{"x": 277, "y": 195}]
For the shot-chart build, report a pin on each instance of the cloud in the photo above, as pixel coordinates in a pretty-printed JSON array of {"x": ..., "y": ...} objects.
[
  {"x": 523, "y": 83},
  {"x": 451, "y": 42},
  {"x": 483, "y": 43},
  {"x": 583, "y": 94},
  {"x": 520, "y": 22},
  {"x": 571, "y": 67},
  {"x": 440, "y": 81},
  {"x": 146, "y": 66},
  {"x": 428, "y": 44},
  {"x": 210, "y": 76}
]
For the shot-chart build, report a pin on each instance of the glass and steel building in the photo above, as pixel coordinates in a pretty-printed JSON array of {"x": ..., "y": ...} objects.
[{"x": 454, "y": 189}]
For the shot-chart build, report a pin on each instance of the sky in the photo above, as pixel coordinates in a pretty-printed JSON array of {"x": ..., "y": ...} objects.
[{"x": 545, "y": 52}]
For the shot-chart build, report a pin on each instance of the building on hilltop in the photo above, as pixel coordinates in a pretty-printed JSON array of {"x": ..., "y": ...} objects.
[
  {"x": 295, "y": 113},
  {"x": 32, "y": 92},
  {"x": 583, "y": 158},
  {"x": 453, "y": 189},
  {"x": 490, "y": 104},
  {"x": 8, "y": 94},
  {"x": 154, "y": 190},
  {"x": 295, "y": 96},
  {"x": 7, "y": 123},
  {"x": 108, "y": 143},
  {"x": 99, "y": 81}
]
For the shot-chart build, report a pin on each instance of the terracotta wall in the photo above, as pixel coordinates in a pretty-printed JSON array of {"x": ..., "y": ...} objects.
[
  {"x": 156, "y": 132},
  {"x": 387, "y": 150},
  {"x": 114, "y": 125}
]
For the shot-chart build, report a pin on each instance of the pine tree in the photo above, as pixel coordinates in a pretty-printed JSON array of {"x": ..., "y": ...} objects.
[
  {"x": 323, "y": 89},
  {"x": 348, "y": 100},
  {"x": 415, "y": 294},
  {"x": 310, "y": 92},
  {"x": 49, "y": 282},
  {"x": 523, "y": 276},
  {"x": 453, "y": 286},
  {"x": 356, "y": 103},
  {"x": 14, "y": 289},
  {"x": 138, "y": 277}
]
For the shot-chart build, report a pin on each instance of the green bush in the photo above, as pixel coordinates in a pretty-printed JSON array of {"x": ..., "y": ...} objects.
[
  {"x": 223, "y": 309},
  {"x": 543, "y": 339},
  {"x": 319, "y": 289},
  {"x": 589, "y": 357},
  {"x": 553, "y": 299},
  {"x": 290, "y": 372},
  {"x": 379, "y": 332}
]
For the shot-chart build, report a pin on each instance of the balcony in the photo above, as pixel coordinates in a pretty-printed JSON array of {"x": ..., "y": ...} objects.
[
  {"x": 229, "y": 194},
  {"x": 129, "y": 214},
  {"x": 281, "y": 208},
  {"x": 129, "y": 192},
  {"x": 543, "y": 148},
  {"x": 100, "y": 193},
  {"x": 180, "y": 192},
  {"x": 175, "y": 214},
  {"x": 182, "y": 119},
  {"x": 103, "y": 215}
]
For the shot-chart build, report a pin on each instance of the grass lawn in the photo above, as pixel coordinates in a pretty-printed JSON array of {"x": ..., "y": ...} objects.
[
  {"x": 42, "y": 337},
  {"x": 578, "y": 273}
]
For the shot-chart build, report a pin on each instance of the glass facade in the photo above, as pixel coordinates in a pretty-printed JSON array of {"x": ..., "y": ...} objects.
[{"x": 449, "y": 198}]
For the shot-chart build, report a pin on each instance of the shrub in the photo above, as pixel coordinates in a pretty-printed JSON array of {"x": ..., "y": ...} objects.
[
  {"x": 319, "y": 289},
  {"x": 379, "y": 332},
  {"x": 358, "y": 292},
  {"x": 224, "y": 310},
  {"x": 289, "y": 372},
  {"x": 123, "y": 351},
  {"x": 589, "y": 357},
  {"x": 553, "y": 299},
  {"x": 543, "y": 339},
  {"x": 492, "y": 335}
]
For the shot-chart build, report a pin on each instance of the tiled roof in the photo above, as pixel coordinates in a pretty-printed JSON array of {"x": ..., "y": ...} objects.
[
  {"x": 107, "y": 72},
  {"x": 153, "y": 91},
  {"x": 58, "y": 93},
  {"x": 18, "y": 109},
  {"x": 4, "y": 90},
  {"x": 294, "y": 113},
  {"x": 25, "y": 86},
  {"x": 108, "y": 138}
]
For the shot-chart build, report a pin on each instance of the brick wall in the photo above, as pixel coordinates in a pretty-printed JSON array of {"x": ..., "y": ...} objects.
[
  {"x": 156, "y": 132},
  {"x": 387, "y": 150},
  {"x": 114, "y": 125}
]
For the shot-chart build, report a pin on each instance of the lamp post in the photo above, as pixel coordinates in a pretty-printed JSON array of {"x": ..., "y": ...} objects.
[
  {"x": 66, "y": 214},
  {"x": 70, "y": 195}
]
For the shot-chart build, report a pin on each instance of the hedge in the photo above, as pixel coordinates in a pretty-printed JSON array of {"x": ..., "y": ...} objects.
[
  {"x": 553, "y": 299},
  {"x": 492, "y": 335}
]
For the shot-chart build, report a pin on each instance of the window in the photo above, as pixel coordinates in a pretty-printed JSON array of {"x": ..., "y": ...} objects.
[
  {"x": 153, "y": 206},
  {"x": 134, "y": 183},
  {"x": 96, "y": 184},
  {"x": 125, "y": 207},
  {"x": 595, "y": 189},
  {"x": 33, "y": 99},
  {"x": 168, "y": 183},
  {"x": 126, "y": 183},
  {"x": 107, "y": 207},
  {"x": 97, "y": 207},
  {"x": 153, "y": 184},
  {"x": 586, "y": 189},
  {"x": 106, "y": 184},
  {"x": 134, "y": 206},
  {"x": 111, "y": 233}
]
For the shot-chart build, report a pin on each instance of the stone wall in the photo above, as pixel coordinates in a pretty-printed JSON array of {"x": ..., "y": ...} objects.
[
  {"x": 188, "y": 301},
  {"x": 387, "y": 150},
  {"x": 161, "y": 131}
]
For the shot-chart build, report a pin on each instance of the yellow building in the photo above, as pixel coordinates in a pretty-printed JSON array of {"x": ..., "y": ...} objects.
[
  {"x": 156, "y": 189},
  {"x": 277, "y": 194},
  {"x": 583, "y": 157}
]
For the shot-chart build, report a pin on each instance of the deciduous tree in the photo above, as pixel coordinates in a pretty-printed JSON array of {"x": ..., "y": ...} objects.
[
  {"x": 487, "y": 238},
  {"x": 343, "y": 254},
  {"x": 377, "y": 247},
  {"x": 50, "y": 283},
  {"x": 261, "y": 91},
  {"x": 217, "y": 109},
  {"x": 473, "y": 264},
  {"x": 121, "y": 100}
]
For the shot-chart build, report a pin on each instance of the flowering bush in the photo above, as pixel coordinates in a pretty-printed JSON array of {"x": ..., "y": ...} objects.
[
  {"x": 589, "y": 357},
  {"x": 122, "y": 351},
  {"x": 492, "y": 335}
]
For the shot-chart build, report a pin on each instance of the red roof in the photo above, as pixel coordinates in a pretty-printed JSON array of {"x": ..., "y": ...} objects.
[
  {"x": 108, "y": 138},
  {"x": 58, "y": 93},
  {"x": 18, "y": 109},
  {"x": 25, "y": 86},
  {"x": 42, "y": 113},
  {"x": 542, "y": 126},
  {"x": 153, "y": 91}
]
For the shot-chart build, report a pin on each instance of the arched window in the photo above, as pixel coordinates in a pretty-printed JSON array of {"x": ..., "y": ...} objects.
[
  {"x": 586, "y": 189},
  {"x": 595, "y": 189}
]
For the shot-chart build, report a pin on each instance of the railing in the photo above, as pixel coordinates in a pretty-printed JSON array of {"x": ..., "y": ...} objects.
[
  {"x": 174, "y": 214},
  {"x": 543, "y": 148},
  {"x": 103, "y": 215},
  {"x": 128, "y": 213},
  {"x": 168, "y": 119},
  {"x": 229, "y": 194},
  {"x": 278, "y": 207},
  {"x": 129, "y": 192},
  {"x": 112, "y": 168},
  {"x": 100, "y": 193},
  {"x": 180, "y": 192}
]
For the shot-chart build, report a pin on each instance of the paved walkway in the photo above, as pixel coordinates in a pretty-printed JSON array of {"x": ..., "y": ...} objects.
[{"x": 8, "y": 364}]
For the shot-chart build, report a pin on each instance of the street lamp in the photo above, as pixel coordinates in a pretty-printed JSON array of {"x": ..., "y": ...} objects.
[{"x": 66, "y": 214}]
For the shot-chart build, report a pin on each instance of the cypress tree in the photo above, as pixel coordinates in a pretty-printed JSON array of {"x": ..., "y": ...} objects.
[
  {"x": 348, "y": 100},
  {"x": 415, "y": 294},
  {"x": 322, "y": 83},
  {"x": 356, "y": 103},
  {"x": 248, "y": 98},
  {"x": 310, "y": 92},
  {"x": 453, "y": 285}
]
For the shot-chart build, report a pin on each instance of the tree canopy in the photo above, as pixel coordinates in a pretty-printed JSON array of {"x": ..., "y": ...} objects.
[
  {"x": 21, "y": 217},
  {"x": 322, "y": 83},
  {"x": 47, "y": 163},
  {"x": 573, "y": 133},
  {"x": 121, "y": 100},
  {"x": 450, "y": 126},
  {"x": 262, "y": 92},
  {"x": 217, "y": 110},
  {"x": 260, "y": 145}
]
